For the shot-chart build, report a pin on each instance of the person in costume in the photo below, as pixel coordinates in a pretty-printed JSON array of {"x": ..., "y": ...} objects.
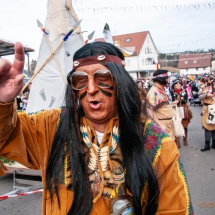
[
  {"x": 141, "y": 89},
  {"x": 189, "y": 91},
  {"x": 184, "y": 82},
  {"x": 159, "y": 100},
  {"x": 180, "y": 94},
  {"x": 19, "y": 101},
  {"x": 25, "y": 97},
  {"x": 96, "y": 156},
  {"x": 167, "y": 90},
  {"x": 207, "y": 96},
  {"x": 202, "y": 84}
]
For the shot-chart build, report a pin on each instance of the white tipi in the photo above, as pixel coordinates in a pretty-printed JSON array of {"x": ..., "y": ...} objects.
[{"x": 48, "y": 87}]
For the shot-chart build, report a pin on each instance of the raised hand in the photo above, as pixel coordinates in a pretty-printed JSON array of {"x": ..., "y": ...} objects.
[{"x": 11, "y": 77}]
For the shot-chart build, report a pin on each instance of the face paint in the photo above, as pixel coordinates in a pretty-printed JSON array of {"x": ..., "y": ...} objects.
[
  {"x": 111, "y": 88},
  {"x": 106, "y": 93},
  {"x": 83, "y": 95}
]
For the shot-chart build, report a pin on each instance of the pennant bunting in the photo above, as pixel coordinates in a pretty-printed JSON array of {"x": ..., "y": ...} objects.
[{"x": 94, "y": 8}]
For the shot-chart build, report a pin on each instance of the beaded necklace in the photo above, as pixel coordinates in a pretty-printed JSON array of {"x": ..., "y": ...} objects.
[{"x": 99, "y": 160}]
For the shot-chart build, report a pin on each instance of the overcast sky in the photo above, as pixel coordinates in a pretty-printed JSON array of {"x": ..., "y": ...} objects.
[{"x": 175, "y": 25}]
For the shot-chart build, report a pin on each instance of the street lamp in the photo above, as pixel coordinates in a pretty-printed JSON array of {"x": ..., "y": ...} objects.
[
  {"x": 27, "y": 54},
  {"x": 138, "y": 72}
]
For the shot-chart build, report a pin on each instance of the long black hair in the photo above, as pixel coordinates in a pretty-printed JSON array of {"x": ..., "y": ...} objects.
[{"x": 131, "y": 139}]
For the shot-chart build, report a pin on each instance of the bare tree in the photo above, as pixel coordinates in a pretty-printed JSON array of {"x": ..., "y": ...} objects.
[{"x": 33, "y": 66}]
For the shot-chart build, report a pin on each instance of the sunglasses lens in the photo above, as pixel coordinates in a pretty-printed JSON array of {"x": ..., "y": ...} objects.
[
  {"x": 79, "y": 80},
  {"x": 103, "y": 78}
]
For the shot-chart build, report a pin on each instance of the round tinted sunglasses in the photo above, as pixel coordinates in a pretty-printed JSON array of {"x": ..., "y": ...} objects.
[{"x": 103, "y": 79}]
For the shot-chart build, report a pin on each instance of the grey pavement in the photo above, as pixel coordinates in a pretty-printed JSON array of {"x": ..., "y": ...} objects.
[
  {"x": 21, "y": 205},
  {"x": 199, "y": 167}
]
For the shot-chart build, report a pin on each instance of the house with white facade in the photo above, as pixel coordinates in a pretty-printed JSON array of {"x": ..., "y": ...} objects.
[
  {"x": 142, "y": 63},
  {"x": 194, "y": 64},
  {"x": 213, "y": 65}
]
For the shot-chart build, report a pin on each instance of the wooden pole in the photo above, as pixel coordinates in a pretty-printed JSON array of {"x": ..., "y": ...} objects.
[
  {"x": 56, "y": 60},
  {"x": 43, "y": 65}
]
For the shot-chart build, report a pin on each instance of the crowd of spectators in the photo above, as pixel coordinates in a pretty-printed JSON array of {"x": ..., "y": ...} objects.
[{"x": 22, "y": 98}]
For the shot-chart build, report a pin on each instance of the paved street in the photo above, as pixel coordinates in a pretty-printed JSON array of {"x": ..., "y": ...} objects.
[{"x": 199, "y": 168}]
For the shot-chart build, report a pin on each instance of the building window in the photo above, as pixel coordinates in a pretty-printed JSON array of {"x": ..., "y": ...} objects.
[
  {"x": 194, "y": 61},
  {"x": 185, "y": 62},
  {"x": 186, "y": 70},
  {"x": 128, "y": 40},
  {"x": 148, "y": 61},
  {"x": 128, "y": 63},
  {"x": 197, "y": 69},
  {"x": 204, "y": 68}
]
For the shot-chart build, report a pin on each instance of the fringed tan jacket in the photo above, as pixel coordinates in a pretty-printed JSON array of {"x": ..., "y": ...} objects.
[
  {"x": 160, "y": 102},
  {"x": 206, "y": 101},
  {"x": 28, "y": 139}
]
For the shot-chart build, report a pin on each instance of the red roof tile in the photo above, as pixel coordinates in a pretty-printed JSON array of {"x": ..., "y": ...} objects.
[
  {"x": 136, "y": 40},
  {"x": 194, "y": 61}
]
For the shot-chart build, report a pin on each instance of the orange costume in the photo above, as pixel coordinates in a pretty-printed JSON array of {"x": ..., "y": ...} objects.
[{"x": 28, "y": 140}]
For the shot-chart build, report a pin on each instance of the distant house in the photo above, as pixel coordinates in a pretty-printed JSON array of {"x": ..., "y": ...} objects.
[
  {"x": 213, "y": 65},
  {"x": 194, "y": 63},
  {"x": 145, "y": 55}
]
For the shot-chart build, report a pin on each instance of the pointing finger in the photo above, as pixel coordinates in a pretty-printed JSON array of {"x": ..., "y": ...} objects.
[{"x": 19, "y": 61}]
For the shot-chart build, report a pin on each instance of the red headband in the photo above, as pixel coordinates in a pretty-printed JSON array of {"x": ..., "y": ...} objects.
[
  {"x": 161, "y": 75},
  {"x": 97, "y": 59}
]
